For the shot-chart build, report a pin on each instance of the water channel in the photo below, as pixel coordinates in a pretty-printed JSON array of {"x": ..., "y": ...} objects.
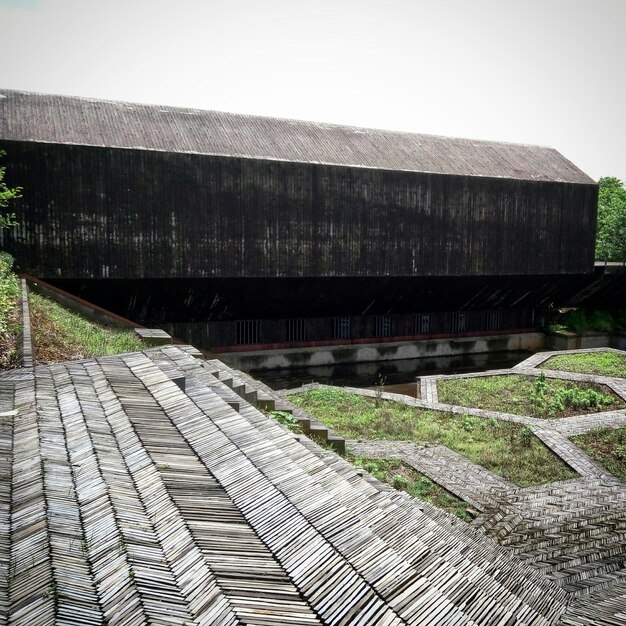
[{"x": 398, "y": 376}]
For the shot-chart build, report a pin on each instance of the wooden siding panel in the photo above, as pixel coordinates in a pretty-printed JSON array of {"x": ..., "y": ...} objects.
[{"x": 92, "y": 212}]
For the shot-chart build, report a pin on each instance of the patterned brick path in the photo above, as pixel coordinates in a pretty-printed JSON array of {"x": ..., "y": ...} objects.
[
  {"x": 573, "y": 532},
  {"x": 465, "y": 479}
]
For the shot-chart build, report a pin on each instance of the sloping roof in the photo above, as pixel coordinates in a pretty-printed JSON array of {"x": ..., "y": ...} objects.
[
  {"x": 127, "y": 500},
  {"x": 71, "y": 120}
]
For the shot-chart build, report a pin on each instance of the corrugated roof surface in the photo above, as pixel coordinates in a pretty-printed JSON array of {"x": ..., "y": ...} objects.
[{"x": 71, "y": 120}]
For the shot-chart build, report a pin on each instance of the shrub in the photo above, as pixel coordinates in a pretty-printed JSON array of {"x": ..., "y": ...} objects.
[
  {"x": 9, "y": 290},
  {"x": 563, "y": 398},
  {"x": 602, "y": 321},
  {"x": 286, "y": 419},
  {"x": 526, "y": 436},
  {"x": 581, "y": 321},
  {"x": 576, "y": 321},
  {"x": 399, "y": 481}
]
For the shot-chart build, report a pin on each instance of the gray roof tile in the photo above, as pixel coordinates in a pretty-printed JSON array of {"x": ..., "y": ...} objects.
[{"x": 82, "y": 121}]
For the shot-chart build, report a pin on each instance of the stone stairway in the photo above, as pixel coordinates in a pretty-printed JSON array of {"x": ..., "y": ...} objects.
[
  {"x": 371, "y": 505},
  {"x": 247, "y": 388},
  {"x": 146, "y": 451}
]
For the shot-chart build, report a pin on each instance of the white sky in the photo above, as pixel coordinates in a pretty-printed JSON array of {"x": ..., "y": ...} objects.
[{"x": 549, "y": 72}]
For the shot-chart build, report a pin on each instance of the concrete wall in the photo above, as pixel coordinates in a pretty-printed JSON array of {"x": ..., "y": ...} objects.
[
  {"x": 590, "y": 340},
  {"x": 332, "y": 355}
]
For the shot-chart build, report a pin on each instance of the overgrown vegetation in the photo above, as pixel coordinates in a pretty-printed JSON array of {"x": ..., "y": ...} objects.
[
  {"x": 607, "y": 447},
  {"x": 9, "y": 286},
  {"x": 528, "y": 395},
  {"x": 611, "y": 231},
  {"x": 505, "y": 448},
  {"x": 7, "y": 195},
  {"x": 61, "y": 335},
  {"x": 9, "y": 312},
  {"x": 581, "y": 321},
  {"x": 403, "y": 477},
  {"x": 599, "y": 363}
]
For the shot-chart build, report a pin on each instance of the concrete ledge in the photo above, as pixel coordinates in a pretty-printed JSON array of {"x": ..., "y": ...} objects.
[
  {"x": 577, "y": 342},
  {"x": 153, "y": 336},
  {"x": 91, "y": 311},
  {"x": 332, "y": 355},
  {"x": 26, "y": 338}
]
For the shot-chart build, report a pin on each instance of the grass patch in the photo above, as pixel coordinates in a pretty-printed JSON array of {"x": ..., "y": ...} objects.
[
  {"x": 10, "y": 325},
  {"x": 404, "y": 478},
  {"x": 507, "y": 449},
  {"x": 606, "y": 446},
  {"x": 599, "y": 363},
  {"x": 528, "y": 395},
  {"x": 61, "y": 335}
]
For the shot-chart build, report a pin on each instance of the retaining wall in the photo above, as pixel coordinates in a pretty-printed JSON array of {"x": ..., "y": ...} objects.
[{"x": 333, "y": 355}]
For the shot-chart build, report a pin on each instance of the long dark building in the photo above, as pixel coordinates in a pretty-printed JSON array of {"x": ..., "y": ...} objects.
[{"x": 237, "y": 230}]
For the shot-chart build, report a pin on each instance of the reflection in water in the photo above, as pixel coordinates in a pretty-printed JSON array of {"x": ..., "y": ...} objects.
[{"x": 399, "y": 376}]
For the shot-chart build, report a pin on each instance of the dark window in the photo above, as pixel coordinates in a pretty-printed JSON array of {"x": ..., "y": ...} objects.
[
  {"x": 422, "y": 324},
  {"x": 248, "y": 331},
  {"x": 342, "y": 328},
  {"x": 383, "y": 325},
  {"x": 458, "y": 322},
  {"x": 296, "y": 330},
  {"x": 494, "y": 320}
]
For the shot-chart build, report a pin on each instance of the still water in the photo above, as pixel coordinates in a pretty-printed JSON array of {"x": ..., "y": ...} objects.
[{"x": 398, "y": 376}]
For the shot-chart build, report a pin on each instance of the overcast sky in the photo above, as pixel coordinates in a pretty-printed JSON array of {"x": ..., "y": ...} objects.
[{"x": 549, "y": 72}]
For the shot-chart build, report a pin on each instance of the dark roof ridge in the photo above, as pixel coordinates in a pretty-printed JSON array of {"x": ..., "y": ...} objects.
[
  {"x": 221, "y": 133},
  {"x": 278, "y": 118}
]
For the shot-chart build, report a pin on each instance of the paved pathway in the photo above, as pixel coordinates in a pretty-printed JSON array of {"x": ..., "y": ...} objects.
[
  {"x": 573, "y": 532},
  {"x": 470, "y": 482}
]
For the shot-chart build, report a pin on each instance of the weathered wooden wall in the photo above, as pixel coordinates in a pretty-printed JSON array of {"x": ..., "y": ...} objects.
[{"x": 94, "y": 212}]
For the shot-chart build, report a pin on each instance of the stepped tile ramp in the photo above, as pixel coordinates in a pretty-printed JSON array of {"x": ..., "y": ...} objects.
[
  {"x": 576, "y": 526},
  {"x": 132, "y": 501}
]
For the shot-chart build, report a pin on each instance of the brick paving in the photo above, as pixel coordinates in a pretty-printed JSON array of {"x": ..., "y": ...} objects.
[
  {"x": 470, "y": 482},
  {"x": 573, "y": 532}
]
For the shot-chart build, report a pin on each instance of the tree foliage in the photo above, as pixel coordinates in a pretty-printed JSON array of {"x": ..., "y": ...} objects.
[
  {"x": 7, "y": 194},
  {"x": 611, "y": 233}
]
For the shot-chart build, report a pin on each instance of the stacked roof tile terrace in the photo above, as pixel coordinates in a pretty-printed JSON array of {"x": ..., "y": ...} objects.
[{"x": 125, "y": 500}]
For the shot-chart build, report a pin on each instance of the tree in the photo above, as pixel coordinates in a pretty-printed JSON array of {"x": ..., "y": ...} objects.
[
  {"x": 611, "y": 232},
  {"x": 7, "y": 194}
]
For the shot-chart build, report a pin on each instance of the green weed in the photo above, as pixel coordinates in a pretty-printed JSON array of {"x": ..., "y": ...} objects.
[
  {"x": 286, "y": 419},
  {"x": 504, "y": 448},
  {"x": 606, "y": 446},
  {"x": 9, "y": 311},
  {"x": 380, "y": 388},
  {"x": 599, "y": 363},
  {"x": 527, "y": 395},
  {"x": 61, "y": 335},
  {"x": 404, "y": 478}
]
